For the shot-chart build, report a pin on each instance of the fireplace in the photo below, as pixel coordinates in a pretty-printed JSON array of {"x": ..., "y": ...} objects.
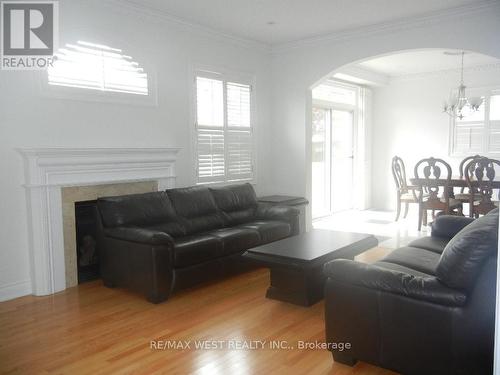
[
  {"x": 87, "y": 251},
  {"x": 56, "y": 178}
]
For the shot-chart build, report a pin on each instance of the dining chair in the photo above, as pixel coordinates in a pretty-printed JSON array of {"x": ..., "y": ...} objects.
[
  {"x": 404, "y": 193},
  {"x": 464, "y": 196},
  {"x": 482, "y": 174},
  {"x": 436, "y": 174}
]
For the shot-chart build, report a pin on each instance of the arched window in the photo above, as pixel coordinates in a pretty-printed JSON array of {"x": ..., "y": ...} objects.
[{"x": 92, "y": 66}]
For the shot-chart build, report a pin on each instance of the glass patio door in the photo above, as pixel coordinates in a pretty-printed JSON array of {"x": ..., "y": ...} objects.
[
  {"x": 321, "y": 162},
  {"x": 332, "y": 160},
  {"x": 342, "y": 160}
]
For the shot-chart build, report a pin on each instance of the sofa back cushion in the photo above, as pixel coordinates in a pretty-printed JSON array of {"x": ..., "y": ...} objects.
[
  {"x": 139, "y": 210},
  {"x": 197, "y": 207},
  {"x": 237, "y": 202},
  {"x": 465, "y": 254}
]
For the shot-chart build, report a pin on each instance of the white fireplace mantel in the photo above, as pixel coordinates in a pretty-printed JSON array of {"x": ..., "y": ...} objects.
[{"x": 48, "y": 170}]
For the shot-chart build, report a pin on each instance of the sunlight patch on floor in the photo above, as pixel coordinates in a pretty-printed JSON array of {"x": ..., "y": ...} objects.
[{"x": 391, "y": 234}]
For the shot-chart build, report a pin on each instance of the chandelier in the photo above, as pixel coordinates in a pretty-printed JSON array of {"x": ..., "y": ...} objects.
[{"x": 459, "y": 106}]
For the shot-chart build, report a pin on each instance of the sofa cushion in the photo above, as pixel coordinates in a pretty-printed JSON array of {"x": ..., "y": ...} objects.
[
  {"x": 235, "y": 240},
  {"x": 269, "y": 230},
  {"x": 136, "y": 209},
  {"x": 239, "y": 217},
  {"x": 203, "y": 223},
  {"x": 237, "y": 202},
  {"x": 448, "y": 226},
  {"x": 197, "y": 208},
  {"x": 192, "y": 201},
  {"x": 435, "y": 244},
  {"x": 234, "y": 197},
  {"x": 189, "y": 250},
  {"x": 412, "y": 257},
  {"x": 465, "y": 254}
]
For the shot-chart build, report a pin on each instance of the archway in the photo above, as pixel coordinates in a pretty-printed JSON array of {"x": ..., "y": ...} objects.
[{"x": 450, "y": 70}]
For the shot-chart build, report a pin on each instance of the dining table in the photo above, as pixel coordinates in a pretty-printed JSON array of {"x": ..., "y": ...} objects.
[
  {"x": 454, "y": 182},
  {"x": 424, "y": 184}
]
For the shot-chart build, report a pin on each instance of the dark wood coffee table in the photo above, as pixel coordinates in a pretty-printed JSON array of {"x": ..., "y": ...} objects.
[{"x": 296, "y": 263}]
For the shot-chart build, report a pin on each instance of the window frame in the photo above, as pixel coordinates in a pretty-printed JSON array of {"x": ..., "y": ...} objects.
[
  {"x": 487, "y": 92},
  {"x": 225, "y": 75}
]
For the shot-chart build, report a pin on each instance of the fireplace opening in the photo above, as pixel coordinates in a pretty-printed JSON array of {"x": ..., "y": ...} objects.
[{"x": 87, "y": 251}]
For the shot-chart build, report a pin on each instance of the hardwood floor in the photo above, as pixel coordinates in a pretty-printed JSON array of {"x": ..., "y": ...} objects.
[{"x": 91, "y": 329}]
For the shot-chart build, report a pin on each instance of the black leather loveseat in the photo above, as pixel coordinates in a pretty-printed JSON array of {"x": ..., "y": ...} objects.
[
  {"x": 156, "y": 243},
  {"x": 428, "y": 308}
]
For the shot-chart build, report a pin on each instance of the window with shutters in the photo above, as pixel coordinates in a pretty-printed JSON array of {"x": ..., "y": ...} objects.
[
  {"x": 224, "y": 129},
  {"x": 479, "y": 132},
  {"x": 85, "y": 70}
]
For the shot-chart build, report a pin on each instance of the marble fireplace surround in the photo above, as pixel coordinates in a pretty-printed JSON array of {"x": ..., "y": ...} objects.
[{"x": 51, "y": 173}]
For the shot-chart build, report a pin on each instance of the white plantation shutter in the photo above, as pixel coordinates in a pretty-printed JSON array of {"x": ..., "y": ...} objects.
[
  {"x": 97, "y": 67},
  {"x": 238, "y": 105},
  {"x": 210, "y": 149},
  {"x": 239, "y": 134},
  {"x": 494, "y": 122},
  {"x": 239, "y": 155},
  {"x": 494, "y": 138},
  {"x": 224, "y": 137},
  {"x": 468, "y": 138}
]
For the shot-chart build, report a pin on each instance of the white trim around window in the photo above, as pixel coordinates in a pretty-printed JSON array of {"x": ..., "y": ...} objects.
[{"x": 223, "y": 126}]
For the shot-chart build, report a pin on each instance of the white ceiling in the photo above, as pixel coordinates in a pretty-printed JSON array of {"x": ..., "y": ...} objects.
[
  {"x": 414, "y": 62},
  {"x": 294, "y": 19}
]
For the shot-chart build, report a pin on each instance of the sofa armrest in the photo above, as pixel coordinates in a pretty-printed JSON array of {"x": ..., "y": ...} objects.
[
  {"x": 284, "y": 213},
  {"x": 139, "y": 235},
  {"x": 139, "y": 259},
  {"x": 267, "y": 211},
  {"x": 380, "y": 279},
  {"x": 447, "y": 226}
]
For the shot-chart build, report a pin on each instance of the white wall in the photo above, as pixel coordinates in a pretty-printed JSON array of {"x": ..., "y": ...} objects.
[
  {"x": 28, "y": 119},
  {"x": 297, "y": 66},
  {"x": 408, "y": 122}
]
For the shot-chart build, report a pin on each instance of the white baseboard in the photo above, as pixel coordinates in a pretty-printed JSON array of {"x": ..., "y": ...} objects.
[{"x": 15, "y": 290}]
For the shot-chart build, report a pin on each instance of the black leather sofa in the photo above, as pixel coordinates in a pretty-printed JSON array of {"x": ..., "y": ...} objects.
[
  {"x": 428, "y": 308},
  {"x": 156, "y": 243}
]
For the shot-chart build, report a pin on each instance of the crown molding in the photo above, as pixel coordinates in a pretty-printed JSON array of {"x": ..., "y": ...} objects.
[
  {"x": 135, "y": 7},
  {"x": 390, "y": 26},
  {"x": 493, "y": 67}
]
